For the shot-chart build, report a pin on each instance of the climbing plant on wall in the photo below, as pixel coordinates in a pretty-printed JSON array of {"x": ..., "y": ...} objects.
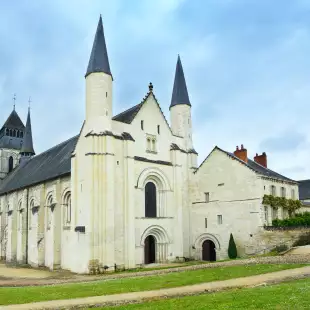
[{"x": 276, "y": 202}]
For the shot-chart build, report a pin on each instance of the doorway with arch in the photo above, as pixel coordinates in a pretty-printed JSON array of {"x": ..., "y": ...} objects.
[
  {"x": 149, "y": 250},
  {"x": 208, "y": 251}
]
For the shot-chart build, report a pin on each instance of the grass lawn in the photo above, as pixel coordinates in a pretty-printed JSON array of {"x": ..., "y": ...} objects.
[
  {"x": 285, "y": 296},
  {"x": 17, "y": 295}
]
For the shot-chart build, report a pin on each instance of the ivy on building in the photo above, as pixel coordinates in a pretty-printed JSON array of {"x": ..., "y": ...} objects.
[{"x": 276, "y": 202}]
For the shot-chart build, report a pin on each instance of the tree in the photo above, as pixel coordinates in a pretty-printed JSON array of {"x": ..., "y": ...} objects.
[{"x": 232, "y": 249}]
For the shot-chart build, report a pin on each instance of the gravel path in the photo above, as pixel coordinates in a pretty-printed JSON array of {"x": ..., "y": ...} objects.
[
  {"x": 287, "y": 259},
  {"x": 128, "y": 298}
]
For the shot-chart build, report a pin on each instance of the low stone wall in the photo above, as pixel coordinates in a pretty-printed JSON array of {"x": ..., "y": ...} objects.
[{"x": 270, "y": 237}]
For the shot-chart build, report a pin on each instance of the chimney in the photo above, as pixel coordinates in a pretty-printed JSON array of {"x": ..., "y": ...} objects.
[
  {"x": 261, "y": 159},
  {"x": 242, "y": 153}
]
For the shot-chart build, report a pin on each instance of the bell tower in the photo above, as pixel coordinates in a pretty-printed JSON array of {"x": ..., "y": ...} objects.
[
  {"x": 99, "y": 82},
  {"x": 180, "y": 108}
]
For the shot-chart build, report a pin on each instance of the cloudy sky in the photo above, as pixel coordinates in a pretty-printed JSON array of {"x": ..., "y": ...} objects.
[{"x": 246, "y": 62}]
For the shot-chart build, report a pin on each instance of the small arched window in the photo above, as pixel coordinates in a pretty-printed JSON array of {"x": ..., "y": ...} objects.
[
  {"x": 21, "y": 134},
  {"x": 7, "y": 132},
  {"x": 50, "y": 210},
  {"x": 10, "y": 133},
  {"x": 148, "y": 144},
  {"x": 67, "y": 209},
  {"x": 14, "y": 133},
  {"x": 153, "y": 145},
  {"x": 150, "y": 200},
  {"x": 11, "y": 163}
]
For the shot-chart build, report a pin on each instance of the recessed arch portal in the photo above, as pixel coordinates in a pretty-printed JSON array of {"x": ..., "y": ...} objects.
[
  {"x": 207, "y": 245},
  {"x": 155, "y": 242}
]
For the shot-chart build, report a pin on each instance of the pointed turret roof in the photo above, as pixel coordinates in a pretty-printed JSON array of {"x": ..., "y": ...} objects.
[
  {"x": 14, "y": 122},
  {"x": 179, "y": 94},
  {"x": 99, "y": 61},
  {"x": 27, "y": 146}
]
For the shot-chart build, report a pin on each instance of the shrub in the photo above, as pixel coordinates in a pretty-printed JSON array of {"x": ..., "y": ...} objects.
[
  {"x": 304, "y": 239},
  {"x": 232, "y": 249},
  {"x": 300, "y": 219}
]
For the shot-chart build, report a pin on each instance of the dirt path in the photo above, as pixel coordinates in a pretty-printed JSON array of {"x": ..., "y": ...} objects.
[
  {"x": 118, "y": 299},
  {"x": 74, "y": 278}
]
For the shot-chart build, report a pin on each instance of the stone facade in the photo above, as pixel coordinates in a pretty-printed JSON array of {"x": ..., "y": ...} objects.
[{"x": 125, "y": 168}]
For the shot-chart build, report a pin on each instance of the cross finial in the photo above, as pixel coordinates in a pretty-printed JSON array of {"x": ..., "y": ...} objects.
[
  {"x": 150, "y": 87},
  {"x": 14, "y": 100},
  {"x": 29, "y": 102}
]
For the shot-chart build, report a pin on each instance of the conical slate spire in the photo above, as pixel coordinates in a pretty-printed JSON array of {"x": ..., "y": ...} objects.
[
  {"x": 27, "y": 146},
  {"x": 99, "y": 61},
  {"x": 179, "y": 94}
]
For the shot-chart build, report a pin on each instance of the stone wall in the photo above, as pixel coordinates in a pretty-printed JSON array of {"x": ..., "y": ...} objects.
[{"x": 271, "y": 237}]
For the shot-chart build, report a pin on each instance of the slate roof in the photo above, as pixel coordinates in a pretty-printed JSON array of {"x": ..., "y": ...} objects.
[
  {"x": 27, "y": 146},
  {"x": 14, "y": 122},
  {"x": 99, "y": 60},
  {"x": 11, "y": 142},
  {"x": 48, "y": 165},
  {"x": 304, "y": 189},
  {"x": 128, "y": 115},
  {"x": 259, "y": 169},
  {"x": 179, "y": 93}
]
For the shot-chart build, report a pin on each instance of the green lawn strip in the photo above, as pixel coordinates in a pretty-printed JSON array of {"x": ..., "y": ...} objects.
[
  {"x": 285, "y": 296},
  {"x": 18, "y": 295}
]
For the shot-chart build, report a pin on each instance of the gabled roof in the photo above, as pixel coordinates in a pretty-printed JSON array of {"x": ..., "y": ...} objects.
[
  {"x": 179, "y": 93},
  {"x": 27, "y": 146},
  {"x": 257, "y": 168},
  {"x": 8, "y": 142},
  {"x": 128, "y": 115},
  {"x": 14, "y": 121},
  {"x": 304, "y": 189},
  {"x": 48, "y": 165},
  {"x": 99, "y": 60}
]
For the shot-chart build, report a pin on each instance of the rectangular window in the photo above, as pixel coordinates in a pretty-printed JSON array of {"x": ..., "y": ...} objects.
[
  {"x": 219, "y": 219},
  {"x": 207, "y": 197},
  {"x": 283, "y": 192},
  {"x": 142, "y": 127},
  {"x": 272, "y": 190},
  {"x": 206, "y": 223},
  {"x": 293, "y": 194},
  {"x": 158, "y": 129}
]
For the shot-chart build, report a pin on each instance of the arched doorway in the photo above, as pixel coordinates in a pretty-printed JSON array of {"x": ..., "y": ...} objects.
[
  {"x": 149, "y": 250},
  {"x": 208, "y": 251},
  {"x": 150, "y": 200}
]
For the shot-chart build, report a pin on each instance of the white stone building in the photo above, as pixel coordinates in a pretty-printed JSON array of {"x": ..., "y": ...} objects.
[{"x": 126, "y": 190}]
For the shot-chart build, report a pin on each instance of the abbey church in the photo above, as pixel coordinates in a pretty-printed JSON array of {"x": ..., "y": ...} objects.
[{"x": 127, "y": 190}]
